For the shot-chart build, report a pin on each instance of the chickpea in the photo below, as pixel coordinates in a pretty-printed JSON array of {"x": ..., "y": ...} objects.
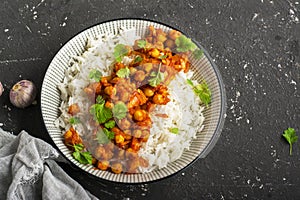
[
  {"x": 132, "y": 70},
  {"x": 137, "y": 133},
  {"x": 110, "y": 90},
  {"x": 130, "y": 153},
  {"x": 103, "y": 165},
  {"x": 124, "y": 124},
  {"x": 155, "y": 53},
  {"x": 117, "y": 168},
  {"x": 170, "y": 43},
  {"x": 173, "y": 34},
  {"x": 109, "y": 104},
  {"x": 119, "y": 138},
  {"x": 147, "y": 67},
  {"x": 148, "y": 92},
  {"x": 139, "y": 75},
  {"x": 139, "y": 115},
  {"x": 135, "y": 144},
  {"x": 161, "y": 38},
  {"x": 100, "y": 152},
  {"x": 125, "y": 96},
  {"x": 158, "y": 99}
]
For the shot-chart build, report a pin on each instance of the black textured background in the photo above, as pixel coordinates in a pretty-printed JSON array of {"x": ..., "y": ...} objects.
[{"x": 254, "y": 43}]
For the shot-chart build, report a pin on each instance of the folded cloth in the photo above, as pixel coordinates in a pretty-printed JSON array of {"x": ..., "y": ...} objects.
[{"x": 28, "y": 170}]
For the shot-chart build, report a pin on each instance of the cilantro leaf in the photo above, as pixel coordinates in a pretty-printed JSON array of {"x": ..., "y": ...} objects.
[
  {"x": 100, "y": 112},
  {"x": 174, "y": 130},
  {"x": 119, "y": 110},
  {"x": 123, "y": 73},
  {"x": 157, "y": 77},
  {"x": 78, "y": 147},
  {"x": 198, "y": 53},
  {"x": 163, "y": 56},
  {"x": 83, "y": 157},
  {"x": 141, "y": 43},
  {"x": 202, "y": 91},
  {"x": 104, "y": 136},
  {"x": 138, "y": 59},
  {"x": 74, "y": 120},
  {"x": 190, "y": 82},
  {"x": 291, "y": 137},
  {"x": 184, "y": 44},
  {"x": 95, "y": 75},
  {"x": 110, "y": 124},
  {"x": 100, "y": 100},
  {"x": 120, "y": 51}
]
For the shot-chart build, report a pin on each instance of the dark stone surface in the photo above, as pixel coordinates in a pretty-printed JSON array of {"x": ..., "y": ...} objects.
[{"x": 255, "y": 44}]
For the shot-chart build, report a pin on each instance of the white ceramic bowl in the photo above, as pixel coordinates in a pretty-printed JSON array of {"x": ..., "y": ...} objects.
[{"x": 203, "y": 68}]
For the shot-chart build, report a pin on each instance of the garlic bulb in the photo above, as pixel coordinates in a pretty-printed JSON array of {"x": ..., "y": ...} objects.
[
  {"x": 1, "y": 89},
  {"x": 22, "y": 94}
]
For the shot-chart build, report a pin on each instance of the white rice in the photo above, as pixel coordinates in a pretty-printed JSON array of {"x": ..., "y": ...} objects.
[{"x": 184, "y": 110}]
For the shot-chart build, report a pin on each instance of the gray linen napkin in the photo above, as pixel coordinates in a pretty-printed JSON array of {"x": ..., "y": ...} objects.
[{"x": 28, "y": 170}]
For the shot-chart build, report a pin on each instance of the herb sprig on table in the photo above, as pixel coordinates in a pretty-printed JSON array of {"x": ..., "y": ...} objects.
[{"x": 291, "y": 137}]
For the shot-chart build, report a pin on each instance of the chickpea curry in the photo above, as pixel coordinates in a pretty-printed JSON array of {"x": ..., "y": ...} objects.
[{"x": 122, "y": 102}]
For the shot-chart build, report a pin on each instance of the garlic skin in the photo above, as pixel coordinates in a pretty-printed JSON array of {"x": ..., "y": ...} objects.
[
  {"x": 1, "y": 89},
  {"x": 22, "y": 94}
]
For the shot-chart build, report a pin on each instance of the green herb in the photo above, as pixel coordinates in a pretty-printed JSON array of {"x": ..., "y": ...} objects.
[
  {"x": 95, "y": 75},
  {"x": 119, "y": 110},
  {"x": 190, "y": 82},
  {"x": 174, "y": 130},
  {"x": 142, "y": 43},
  {"x": 138, "y": 59},
  {"x": 184, "y": 44},
  {"x": 83, "y": 157},
  {"x": 198, "y": 53},
  {"x": 290, "y": 135},
  {"x": 202, "y": 91},
  {"x": 163, "y": 56},
  {"x": 120, "y": 51},
  {"x": 104, "y": 136},
  {"x": 157, "y": 78},
  {"x": 100, "y": 100},
  {"x": 100, "y": 112},
  {"x": 74, "y": 120},
  {"x": 123, "y": 73},
  {"x": 110, "y": 124}
]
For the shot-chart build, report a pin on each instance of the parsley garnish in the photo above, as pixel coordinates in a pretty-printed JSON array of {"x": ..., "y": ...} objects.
[
  {"x": 104, "y": 136},
  {"x": 119, "y": 110},
  {"x": 198, "y": 53},
  {"x": 157, "y": 78},
  {"x": 74, "y": 120},
  {"x": 100, "y": 112},
  {"x": 84, "y": 157},
  {"x": 120, "y": 51},
  {"x": 123, "y": 73},
  {"x": 291, "y": 137},
  {"x": 184, "y": 44},
  {"x": 174, "y": 130},
  {"x": 95, "y": 75},
  {"x": 110, "y": 124},
  {"x": 202, "y": 91},
  {"x": 141, "y": 43}
]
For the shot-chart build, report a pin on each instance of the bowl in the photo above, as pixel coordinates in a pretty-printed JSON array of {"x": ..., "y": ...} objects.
[{"x": 204, "y": 69}]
